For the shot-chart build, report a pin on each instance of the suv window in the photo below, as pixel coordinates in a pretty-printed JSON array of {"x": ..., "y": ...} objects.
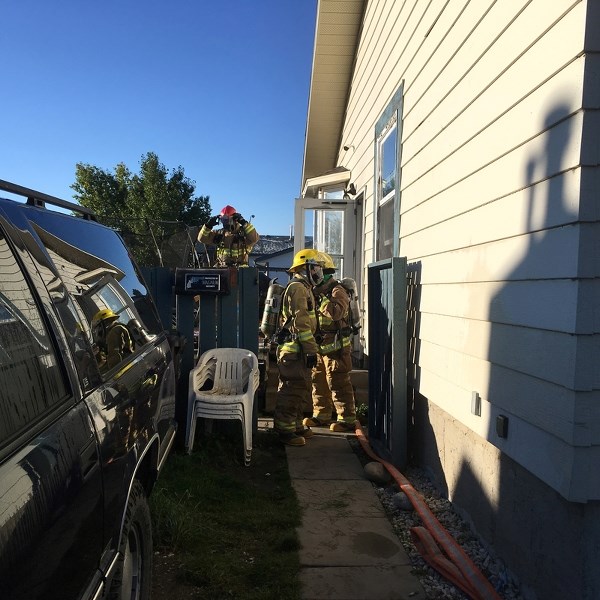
[
  {"x": 31, "y": 380},
  {"x": 115, "y": 305}
]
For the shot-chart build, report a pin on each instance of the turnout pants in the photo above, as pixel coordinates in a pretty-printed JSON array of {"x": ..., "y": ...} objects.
[
  {"x": 332, "y": 388},
  {"x": 293, "y": 390}
]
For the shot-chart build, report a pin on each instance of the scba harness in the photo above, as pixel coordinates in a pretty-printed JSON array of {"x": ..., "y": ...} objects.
[{"x": 274, "y": 329}]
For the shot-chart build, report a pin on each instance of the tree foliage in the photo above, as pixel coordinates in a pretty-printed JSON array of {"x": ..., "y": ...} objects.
[{"x": 155, "y": 211}]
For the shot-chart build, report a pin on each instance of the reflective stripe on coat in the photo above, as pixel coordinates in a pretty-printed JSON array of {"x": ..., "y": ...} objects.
[
  {"x": 233, "y": 247},
  {"x": 298, "y": 315}
]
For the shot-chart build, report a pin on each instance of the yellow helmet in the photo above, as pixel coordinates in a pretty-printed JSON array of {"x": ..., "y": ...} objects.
[
  {"x": 328, "y": 264},
  {"x": 308, "y": 256},
  {"x": 102, "y": 315}
]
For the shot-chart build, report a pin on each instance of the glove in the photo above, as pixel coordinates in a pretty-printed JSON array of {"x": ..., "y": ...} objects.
[
  {"x": 212, "y": 222},
  {"x": 310, "y": 360},
  {"x": 237, "y": 217}
]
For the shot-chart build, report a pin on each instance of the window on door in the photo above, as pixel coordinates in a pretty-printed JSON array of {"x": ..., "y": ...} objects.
[
  {"x": 329, "y": 231},
  {"x": 327, "y": 227}
]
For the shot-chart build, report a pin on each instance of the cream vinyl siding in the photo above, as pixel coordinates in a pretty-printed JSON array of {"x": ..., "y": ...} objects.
[{"x": 490, "y": 182}]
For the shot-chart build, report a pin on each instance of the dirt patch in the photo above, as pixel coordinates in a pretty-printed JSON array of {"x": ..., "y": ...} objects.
[{"x": 165, "y": 582}]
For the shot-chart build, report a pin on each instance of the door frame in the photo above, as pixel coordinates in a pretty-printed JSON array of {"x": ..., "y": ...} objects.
[{"x": 352, "y": 241}]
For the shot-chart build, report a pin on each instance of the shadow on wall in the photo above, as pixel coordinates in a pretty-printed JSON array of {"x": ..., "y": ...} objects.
[
  {"x": 540, "y": 535},
  {"x": 522, "y": 316},
  {"x": 422, "y": 444}
]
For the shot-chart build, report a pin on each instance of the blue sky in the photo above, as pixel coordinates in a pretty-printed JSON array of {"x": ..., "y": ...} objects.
[{"x": 218, "y": 87}]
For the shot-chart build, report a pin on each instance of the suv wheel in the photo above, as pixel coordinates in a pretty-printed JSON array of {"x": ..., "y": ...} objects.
[{"x": 132, "y": 579}]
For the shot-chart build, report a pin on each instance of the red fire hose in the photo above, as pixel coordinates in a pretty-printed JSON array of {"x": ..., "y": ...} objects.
[{"x": 451, "y": 561}]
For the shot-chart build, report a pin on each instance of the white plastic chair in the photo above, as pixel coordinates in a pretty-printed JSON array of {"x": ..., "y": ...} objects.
[{"x": 222, "y": 386}]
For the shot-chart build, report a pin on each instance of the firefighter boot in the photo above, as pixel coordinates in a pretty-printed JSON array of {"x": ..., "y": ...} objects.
[
  {"x": 341, "y": 427},
  {"x": 305, "y": 432},
  {"x": 291, "y": 439},
  {"x": 314, "y": 422}
]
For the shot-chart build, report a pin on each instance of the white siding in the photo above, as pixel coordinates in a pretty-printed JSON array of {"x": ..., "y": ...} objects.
[{"x": 490, "y": 212}]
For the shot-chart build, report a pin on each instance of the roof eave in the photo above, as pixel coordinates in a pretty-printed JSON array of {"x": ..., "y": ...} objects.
[{"x": 337, "y": 32}]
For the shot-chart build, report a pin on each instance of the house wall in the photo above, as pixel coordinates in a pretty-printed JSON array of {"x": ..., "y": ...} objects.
[{"x": 500, "y": 221}]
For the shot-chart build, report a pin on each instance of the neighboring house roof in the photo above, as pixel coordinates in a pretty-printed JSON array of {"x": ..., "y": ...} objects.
[
  {"x": 270, "y": 246},
  {"x": 272, "y": 255},
  {"x": 336, "y": 37}
]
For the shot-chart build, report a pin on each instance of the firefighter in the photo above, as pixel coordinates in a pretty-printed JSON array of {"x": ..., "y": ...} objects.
[
  {"x": 112, "y": 338},
  {"x": 233, "y": 242},
  {"x": 297, "y": 349},
  {"x": 331, "y": 385}
]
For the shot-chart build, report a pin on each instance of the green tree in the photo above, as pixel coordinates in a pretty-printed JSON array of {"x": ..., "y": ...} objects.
[{"x": 155, "y": 211}]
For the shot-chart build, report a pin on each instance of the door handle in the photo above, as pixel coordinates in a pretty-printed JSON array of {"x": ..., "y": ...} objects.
[{"x": 89, "y": 460}]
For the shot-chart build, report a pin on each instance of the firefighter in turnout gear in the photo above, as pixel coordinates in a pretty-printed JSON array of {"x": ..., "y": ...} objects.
[
  {"x": 233, "y": 242},
  {"x": 297, "y": 349},
  {"x": 331, "y": 385},
  {"x": 112, "y": 339}
]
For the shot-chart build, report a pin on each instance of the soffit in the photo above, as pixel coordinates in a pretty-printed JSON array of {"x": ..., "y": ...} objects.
[{"x": 336, "y": 38}]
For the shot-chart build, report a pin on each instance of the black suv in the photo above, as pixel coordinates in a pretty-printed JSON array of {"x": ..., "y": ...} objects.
[{"x": 87, "y": 406}]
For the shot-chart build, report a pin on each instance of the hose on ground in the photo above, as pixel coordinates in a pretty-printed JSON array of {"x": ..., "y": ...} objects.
[{"x": 451, "y": 561}]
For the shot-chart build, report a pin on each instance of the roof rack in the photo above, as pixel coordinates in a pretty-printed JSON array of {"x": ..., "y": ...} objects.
[{"x": 40, "y": 200}]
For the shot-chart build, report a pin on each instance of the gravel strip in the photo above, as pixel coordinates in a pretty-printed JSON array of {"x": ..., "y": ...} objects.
[{"x": 402, "y": 516}]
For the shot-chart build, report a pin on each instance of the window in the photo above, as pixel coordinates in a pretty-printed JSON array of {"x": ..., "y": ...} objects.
[
  {"x": 387, "y": 161},
  {"x": 329, "y": 235},
  {"x": 112, "y": 334},
  {"x": 31, "y": 378},
  {"x": 387, "y": 191},
  {"x": 97, "y": 271}
]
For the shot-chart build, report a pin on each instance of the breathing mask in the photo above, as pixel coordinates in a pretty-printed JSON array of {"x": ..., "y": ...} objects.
[{"x": 315, "y": 274}]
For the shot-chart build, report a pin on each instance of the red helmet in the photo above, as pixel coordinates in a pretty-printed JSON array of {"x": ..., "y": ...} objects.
[{"x": 228, "y": 211}]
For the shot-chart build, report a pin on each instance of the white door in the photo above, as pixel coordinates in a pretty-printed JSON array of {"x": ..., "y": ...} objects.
[{"x": 332, "y": 223}]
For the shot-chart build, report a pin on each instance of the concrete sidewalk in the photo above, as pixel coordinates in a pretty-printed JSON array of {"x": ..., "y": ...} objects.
[{"x": 349, "y": 550}]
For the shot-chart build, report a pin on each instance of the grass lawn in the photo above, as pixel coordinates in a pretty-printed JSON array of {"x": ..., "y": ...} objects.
[{"x": 230, "y": 529}]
